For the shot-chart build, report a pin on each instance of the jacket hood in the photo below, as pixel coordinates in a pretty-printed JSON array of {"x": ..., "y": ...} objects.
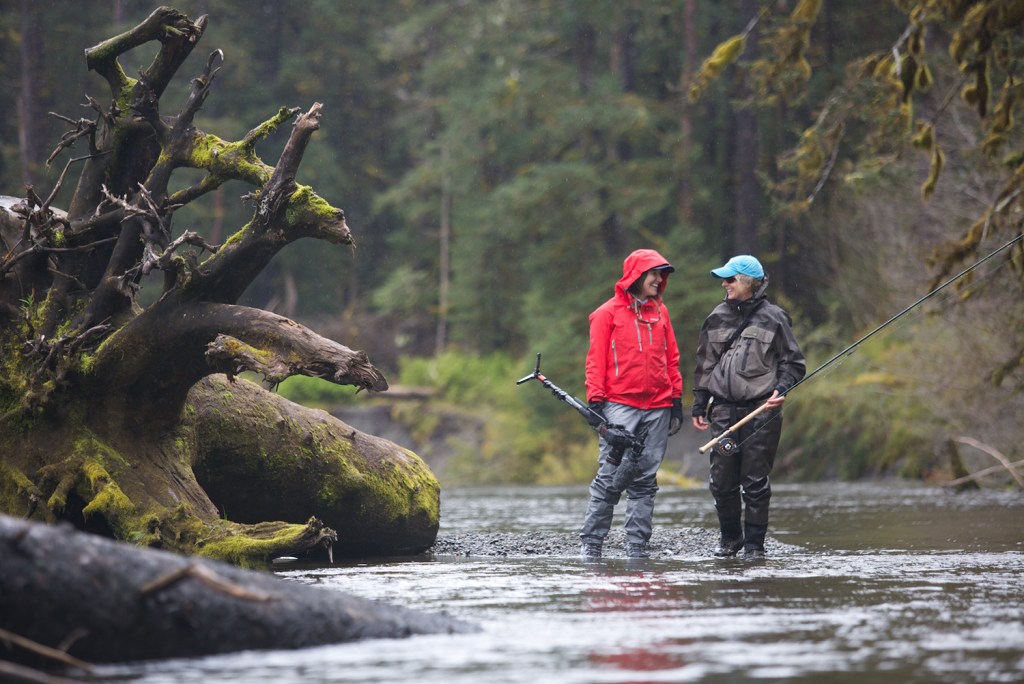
[{"x": 635, "y": 265}]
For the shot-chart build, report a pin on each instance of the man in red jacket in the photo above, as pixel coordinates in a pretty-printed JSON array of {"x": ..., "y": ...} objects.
[{"x": 633, "y": 380}]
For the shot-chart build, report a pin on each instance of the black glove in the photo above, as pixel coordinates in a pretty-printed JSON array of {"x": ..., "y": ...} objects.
[
  {"x": 596, "y": 416},
  {"x": 700, "y": 403},
  {"x": 676, "y": 421}
]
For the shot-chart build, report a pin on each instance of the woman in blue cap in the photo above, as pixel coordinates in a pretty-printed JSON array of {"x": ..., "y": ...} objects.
[{"x": 747, "y": 356}]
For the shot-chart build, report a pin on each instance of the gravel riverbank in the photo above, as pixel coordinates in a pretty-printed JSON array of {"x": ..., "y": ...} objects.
[{"x": 665, "y": 543}]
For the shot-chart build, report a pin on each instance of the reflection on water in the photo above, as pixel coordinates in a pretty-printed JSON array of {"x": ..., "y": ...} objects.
[{"x": 889, "y": 583}]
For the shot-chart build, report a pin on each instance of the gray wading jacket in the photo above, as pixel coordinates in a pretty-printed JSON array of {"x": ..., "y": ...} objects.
[{"x": 763, "y": 358}]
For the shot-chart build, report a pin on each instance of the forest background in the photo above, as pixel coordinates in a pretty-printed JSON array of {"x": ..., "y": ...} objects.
[{"x": 497, "y": 160}]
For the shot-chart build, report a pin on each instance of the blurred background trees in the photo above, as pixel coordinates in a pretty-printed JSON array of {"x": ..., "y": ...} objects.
[{"x": 497, "y": 159}]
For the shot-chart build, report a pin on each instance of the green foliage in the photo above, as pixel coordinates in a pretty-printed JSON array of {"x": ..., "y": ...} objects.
[
  {"x": 315, "y": 392},
  {"x": 462, "y": 379},
  {"x": 528, "y": 435},
  {"x": 859, "y": 422}
]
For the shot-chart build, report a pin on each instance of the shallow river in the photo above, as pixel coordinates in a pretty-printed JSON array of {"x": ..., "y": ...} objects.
[{"x": 873, "y": 583}]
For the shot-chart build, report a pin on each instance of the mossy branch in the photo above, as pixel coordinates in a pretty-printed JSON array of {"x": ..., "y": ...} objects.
[
  {"x": 724, "y": 54},
  {"x": 296, "y": 351},
  {"x": 256, "y": 545},
  {"x": 174, "y": 30}
]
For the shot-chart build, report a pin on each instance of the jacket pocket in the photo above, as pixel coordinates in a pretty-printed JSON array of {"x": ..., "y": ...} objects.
[
  {"x": 717, "y": 339},
  {"x": 755, "y": 352}
]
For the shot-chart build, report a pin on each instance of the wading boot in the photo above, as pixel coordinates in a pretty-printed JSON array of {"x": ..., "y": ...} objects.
[
  {"x": 590, "y": 550},
  {"x": 634, "y": 550},
  {"x": 731, "y": 540},
  {"x": 753, "y": 554},
  {"x": 727, "y": 548},
  {"x": 753, "y": 542}
]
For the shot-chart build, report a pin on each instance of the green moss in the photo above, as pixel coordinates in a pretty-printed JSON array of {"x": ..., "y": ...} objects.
[
  {"x": 235, "y": 237},
  {"x": 116, "y": 508},
  {"x": 86, "y": 363},
  {"x": 23, "y": 484},
  {"x": 401, "y": 491},
  {"x": 95, "y": 473},
  {"x": 59, "y": 498},
  {"x": 305, "y": 200},
  {"x": 255, "y": 546},
  {"x": 127, "y": 92},
  {"x": 227, "y": 160}
]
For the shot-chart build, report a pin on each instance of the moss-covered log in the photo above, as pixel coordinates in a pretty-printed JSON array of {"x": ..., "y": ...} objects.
[
  {"x": 261, "y": 457},
  {"x": 102, "y": 422}
]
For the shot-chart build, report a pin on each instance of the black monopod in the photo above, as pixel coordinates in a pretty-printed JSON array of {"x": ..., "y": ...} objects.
[
  {"x": 619, "y": 438},
  {"x": 727, "y": 445}
]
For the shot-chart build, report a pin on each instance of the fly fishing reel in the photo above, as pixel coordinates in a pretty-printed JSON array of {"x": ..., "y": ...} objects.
[{"x": 727, "y": 446}]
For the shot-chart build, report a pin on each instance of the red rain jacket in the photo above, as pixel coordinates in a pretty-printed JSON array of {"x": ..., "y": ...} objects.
[{"x": 633, "y": 357}]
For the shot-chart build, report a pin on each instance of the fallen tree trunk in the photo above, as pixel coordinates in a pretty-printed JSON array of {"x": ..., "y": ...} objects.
[
  {"x": 261, "y": 457},
  {"x": 104, "y": 601}
]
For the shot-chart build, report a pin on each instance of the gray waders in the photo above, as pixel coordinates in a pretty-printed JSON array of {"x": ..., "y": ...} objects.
[{"x": 640, "y": 492}]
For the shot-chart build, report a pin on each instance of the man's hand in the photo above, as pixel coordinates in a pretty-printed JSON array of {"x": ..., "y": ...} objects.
[{"x": 700, "y": 423}]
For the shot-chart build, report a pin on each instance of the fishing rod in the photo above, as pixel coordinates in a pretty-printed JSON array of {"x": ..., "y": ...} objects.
[
  {"x": 727, "y": 445},
  {"x": 617, "y": 436}
]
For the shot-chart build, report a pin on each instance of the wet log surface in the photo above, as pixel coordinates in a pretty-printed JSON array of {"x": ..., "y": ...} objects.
[{"x": 105, "y": 601}]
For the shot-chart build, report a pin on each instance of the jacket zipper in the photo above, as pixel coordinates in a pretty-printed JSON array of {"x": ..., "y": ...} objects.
[{"x": 615, "y": 358}]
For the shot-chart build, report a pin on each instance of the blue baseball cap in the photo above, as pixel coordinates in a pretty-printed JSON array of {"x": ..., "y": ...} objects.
[{"x": 742, "y": 264}]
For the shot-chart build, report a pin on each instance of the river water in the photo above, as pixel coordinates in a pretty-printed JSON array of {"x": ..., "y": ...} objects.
[{"x": 868, "y": 582}]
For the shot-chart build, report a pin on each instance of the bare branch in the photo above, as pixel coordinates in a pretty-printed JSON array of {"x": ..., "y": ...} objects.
[
  {"x": 44, "y": 651},
  {"x": 63, "y": 174},
  {"x": 81, "y": 128},
  {"x": 200, "y": 89},
  {"x": 994, "y": 453},
  {"x": 206, "y": 577}
]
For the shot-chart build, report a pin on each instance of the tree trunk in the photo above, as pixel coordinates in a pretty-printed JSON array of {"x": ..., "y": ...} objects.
[
  {"x": 29, "y": 114},
  {"x": 98, "y": 601},
  {"x": 109, "y": 410},
  {"x": 261, "y": 457},
  {"x": 746, "y": 159},
  {"x": 684, "y": 203}
]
